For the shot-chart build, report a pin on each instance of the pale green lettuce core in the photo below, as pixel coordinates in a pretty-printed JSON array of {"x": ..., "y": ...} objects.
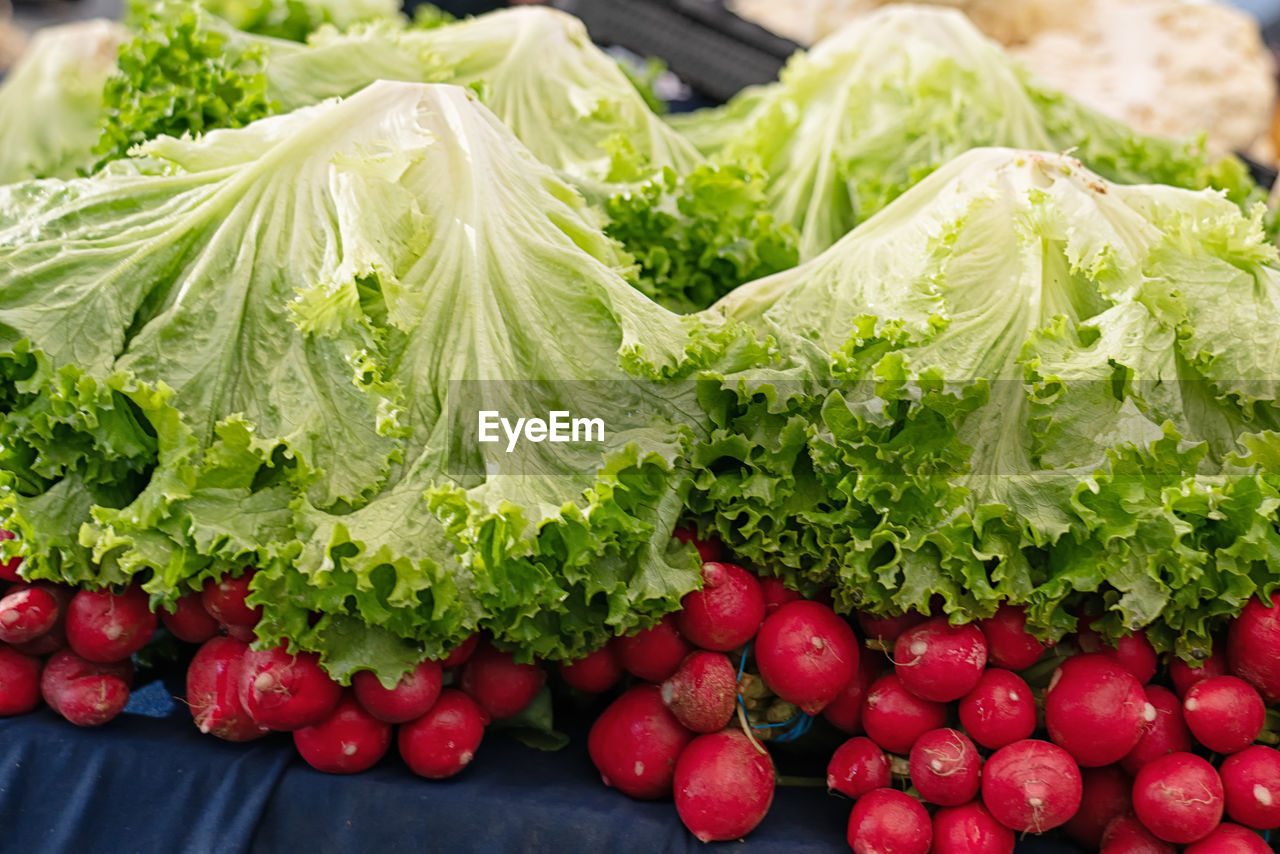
[
  {"x": 51, "y": 100},
  {"x": 246, "y": 358},
  {"x": 1037, "y": 382},
  {"x": 875, "y": 107}
]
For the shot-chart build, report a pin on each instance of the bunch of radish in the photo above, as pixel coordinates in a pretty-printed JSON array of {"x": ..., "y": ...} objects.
[
  {"x": 67, "y": 648},
  {"x": 441, "y": 707}
]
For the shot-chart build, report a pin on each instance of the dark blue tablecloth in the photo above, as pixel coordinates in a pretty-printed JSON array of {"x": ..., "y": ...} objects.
[{"x": 154, "y": 784}]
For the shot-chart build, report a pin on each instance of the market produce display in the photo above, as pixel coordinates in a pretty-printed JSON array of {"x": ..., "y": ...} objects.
[{"x": 415, "y": 394}]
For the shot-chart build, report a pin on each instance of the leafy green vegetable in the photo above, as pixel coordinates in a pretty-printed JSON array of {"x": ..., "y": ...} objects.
[
  {"x": 699, "y": 236},
  {"x": 879, "y": 105},
  {"x": 294, "y": 20},
  {"x": 1016, "y": 382},
  {"x": 51, "y": 101},
  {"x": 566, "y": 100},
  {"x": 271, "y": 338},
  {"x": 178, "y": 75}
]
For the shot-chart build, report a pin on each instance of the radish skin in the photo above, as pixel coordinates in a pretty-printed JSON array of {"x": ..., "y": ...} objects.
[
  {"x": 806, "y": 654},
  {"x": 635, "y": 742},
  {"x": 65, "y": 668},
  {"x": 888, "y": 820},
  {"x": 1224, "y": 713},
  {"x": 940, "y": 662},
  {"x": 500, "y": 685},
  {"x": 844, "y": 712},
  {"x": 1252, "y": 641},
  {"x": 19, "y": 682},
  {"x": 1251, "y": 785},
  {"x": 970, "y": 829},
  {"x": 723, "y": 786},
  {"x": 1009, "y": 645},
  {"x": 776, "y": 594},
  {"x": 347, "y": 742},
  {"x": 1230, "y": 839},
  {"x": 9, "y": 568},
  {"x": 459, "y": 654},
  {"x": 655, "y": 653},
  {"x": 703, "y": 693},
  {"x": 188, "y": 620},
  {"x": 709, "y": 548},
  {"x": 945, "y": 767},
  {"x": 1031, "y": 786},
  {"x": 726, "y": 612},
  {"x": 103, "y": 626},
  {"x": 1104, "y": 798},
  {"x": 858, "y": 766},
  {"x": 285, "y": 691},
  {"x": 93, "y": 700},
  {"x": 213, "y": 691},
  {"x": 1127, "y": 835},
  {"x": 411, "y": 697},
  {"x": 999, "y": 710},
  {"x": 1167, "y": 733},
  {"x": 26, "y": 613},
  {"x": 224, "y": 600},
  {"x": 443, "y": 741},
  {"x": 1095, "y": 709},
  {"x": 1178, "y": 797},
  {"x": 1135, "y": 654},
  {"x": 1184, "y": 675},
  {"x": 594, "y": 673},
  {"x": 887, "y": 629},
  {"x": 894, "y": 717}
]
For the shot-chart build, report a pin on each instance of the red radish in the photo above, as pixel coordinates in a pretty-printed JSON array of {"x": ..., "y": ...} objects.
[
  {"x": 1031, "y": 786},
  {"x": 945, "y": 767},
  {"x": 19, "y": 682},
  {"x": 213, "y": 691},
  {"x": 1104, "y": 797},
  {"x": 938, "y": 661},
  {"x": 244, "y": 634},
  {"x": 1135, "y": 654},
  {"x": 225, "y": 600},
  {"x": 858, "y": 766},
  {"x": 594, "y": 673},
  {"x": 285, "y": 691},
  {"x": 887, "y": 820},
  {"x": 894, "y": 718},
  {"x": 654, "y": 654},
  {"x": 887, "y": 628},
  {"x": 703, "y": 693},
  {"x": 1185, "y": 675},
  {"x": 999, "y": 710},
  {"x": 1096, "y": 710},
  {"x": 444, "y": 740},
  {"x": 188, "y": 620},
  {"x": 26, "y": 613},
  {"x": 1178, "y": 797},
  {"x": 1127, "y": 835},
  {"x": 93, "y": 700},
  {"x": 9, "y": 568},
  {"x": 105, "y": 626},
  {"x": 1168, "y": 733},
  {"x": 845, "y": 711},
  {"x": 1251, "y": 783},
  {"x": 726, "y": 612},
  {"x": 723, "y": 786},
  {"x": 806, "y": 654},
  {"x": 459, "y": 654},
  {"x": 65, "y": 668},
  {"x": 776, "y": 594},
  {"x": 970, "y": 829},
  {"x": 1230, "y": 839},
  {"x": 1009, "y": 645},
  {"x": 709, "y": 549},
  {"x": 1224, "y": 713},
  {"x": 347, "y": 742},
  {"x": 48, "y": 643},
  {"x": 411, "y": 697},
  {"x": 634, "y": 744},
  {"x": 501, "y": 686},
  {"x": 1252, "y": 641}
]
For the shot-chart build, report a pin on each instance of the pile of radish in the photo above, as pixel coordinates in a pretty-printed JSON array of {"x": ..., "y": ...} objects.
[{"x": 954, "y": 739}]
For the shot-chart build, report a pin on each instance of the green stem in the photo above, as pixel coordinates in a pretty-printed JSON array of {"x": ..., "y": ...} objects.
[{"x": 800, "y": 782}]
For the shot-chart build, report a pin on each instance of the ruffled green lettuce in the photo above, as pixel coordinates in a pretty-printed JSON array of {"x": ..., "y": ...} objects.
[
  {"x": 270, "y": 347},
  {"x": 1017, "y": 382},
  {"x": 877, "y": 106}
]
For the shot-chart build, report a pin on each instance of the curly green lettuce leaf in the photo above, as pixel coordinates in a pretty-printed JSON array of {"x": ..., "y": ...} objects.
[
  {"x": 51, "y": 101},
  {"x": 1012, "y": 396},
  {"x": 877, "y": 106},
  {"x": 295, "y": 20},
  {"x": 282, "y": 341},
  {"x": 698, "y": 236}
]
